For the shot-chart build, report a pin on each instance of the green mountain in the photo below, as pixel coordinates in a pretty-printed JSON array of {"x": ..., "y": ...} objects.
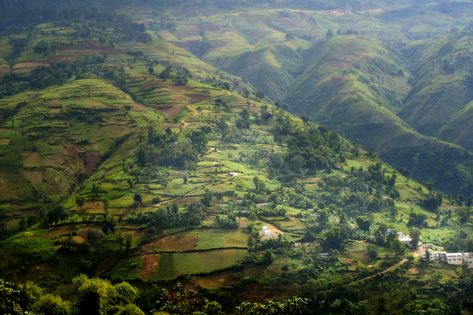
[
  {"x": 355, "y": 86},
  {"x": 442, "y": 91},
  {"x": 54, "y": 138},
  {"x": 458, "y": 129},
  {"x": 285, "y": 52},
  {"x": 137, "y": 176}
]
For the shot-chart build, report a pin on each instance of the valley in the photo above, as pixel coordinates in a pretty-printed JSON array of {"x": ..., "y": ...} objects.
[
  {"x": 303, "y": 60},
  {"x": 174, "y": 157}
]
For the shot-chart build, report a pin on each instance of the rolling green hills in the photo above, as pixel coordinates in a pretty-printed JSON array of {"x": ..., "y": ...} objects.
[
  {"x": 349, "y": 78},
  {"x": 139, "y": 176},
  {"x": 136, "y": 145},
  {"x": 356, "y": 86}
]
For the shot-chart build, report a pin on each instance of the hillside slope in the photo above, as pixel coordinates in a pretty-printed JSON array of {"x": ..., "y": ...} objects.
[
  {"x": 355, "y": 86},
  {"x": 124, "y": 156},
  {"x": 51, "y": 140},
  {"x": 442, "y": 68},
  {"x": 459, "y": 128},
  {"x": 262, "y": 47}
]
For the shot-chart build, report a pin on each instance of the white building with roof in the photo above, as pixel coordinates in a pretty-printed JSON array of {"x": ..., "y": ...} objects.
[
  {"x": 468, "y": 259},
  {"x": 435, "y": 255},
  {"x": 404, "y": 238},
  {"x": 456, "y": 259},
  {"x": 265, "y": 233}
]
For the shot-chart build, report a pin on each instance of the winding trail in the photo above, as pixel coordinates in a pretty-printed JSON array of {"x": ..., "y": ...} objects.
[{"x": 385, "y": 271}]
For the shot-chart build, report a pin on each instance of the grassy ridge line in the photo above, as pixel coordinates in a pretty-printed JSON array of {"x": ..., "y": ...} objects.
[
  {"x": 442, "y": 93},
  {"x": 463, "y": 136},
  {"x": 265, "y": 58},
  {"x": 167, "y": 52}
]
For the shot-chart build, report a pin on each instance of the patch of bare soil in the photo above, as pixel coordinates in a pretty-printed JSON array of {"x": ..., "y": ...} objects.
[
  {"x": 91, "y": 159},
  {"x": 94, "y": 205},
  {"x": 82, "y": 49},
  {"x": 29, "y": 65},
  {"x": 36, "y": 178},
  {"x": 173, "y": 243},
  {"x": 149, "y": 266}
]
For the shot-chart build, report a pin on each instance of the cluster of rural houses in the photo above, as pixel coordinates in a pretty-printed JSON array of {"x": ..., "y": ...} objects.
[{"x": 458, "y": 259}]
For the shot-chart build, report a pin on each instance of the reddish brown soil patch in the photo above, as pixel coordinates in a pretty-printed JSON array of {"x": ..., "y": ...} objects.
[
  {"x": 199, "y": 97},
  {"x": 87, "y": 49},
  {"x": 91, "y": 159},
  {"x": 94, "y": 205},
  {"x": 70, "y": 150},
  {"x": 173, "y": 111},
  {"x": 255, "y": 292},
  {"x": 347, "y": 261},
  {"x": 24, "y": 66},
  {"x": 106, "y": 264},
  {"x": 30, "y": 158},
  {"x": 149, "y": 266},
  {"x": 181, "y": 97},
  {"x": 174, "y": 243},
  {"x": 34, "y": 177},
  {"x": 64, "y": 230}
]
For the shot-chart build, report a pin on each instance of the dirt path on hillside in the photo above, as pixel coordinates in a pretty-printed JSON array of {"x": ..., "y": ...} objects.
[
  {"x": 188, "y": 194},
  {"x": 385, "y": 271}
]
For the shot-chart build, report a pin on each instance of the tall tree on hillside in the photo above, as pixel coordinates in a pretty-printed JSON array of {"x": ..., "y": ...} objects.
[{"x": 415, "y": 235}]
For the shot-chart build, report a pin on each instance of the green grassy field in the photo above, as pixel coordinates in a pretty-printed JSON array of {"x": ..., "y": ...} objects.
[{"x": 174, "y": 265}]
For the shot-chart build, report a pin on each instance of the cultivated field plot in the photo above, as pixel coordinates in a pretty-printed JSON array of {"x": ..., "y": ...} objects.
[
  {"x": 358, "y": 250},
  {"x": 4, "y": 68},
  {"x": 201, "y": 239},
  {"x": 173, "y": 265}
]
